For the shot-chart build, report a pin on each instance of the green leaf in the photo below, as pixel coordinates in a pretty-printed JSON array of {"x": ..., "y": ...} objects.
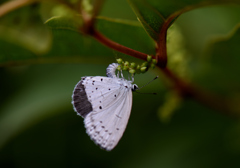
[
  {"x": 221, "y": 73},
  {"x": 156, "y": 14},
  {"x": 69, "y": 45},
  {"x": 24, "y": 28}
]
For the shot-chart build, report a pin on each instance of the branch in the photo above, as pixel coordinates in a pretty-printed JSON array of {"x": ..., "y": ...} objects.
[
  {"x": 161, "y": 53},
  {"x": 118, "y": 47},
  {"x": 12, "y": 5},
  {"x": 189, "y": 91}
]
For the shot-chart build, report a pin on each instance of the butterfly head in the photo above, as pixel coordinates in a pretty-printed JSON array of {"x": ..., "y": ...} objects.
[{"x": 134, "y": 87}]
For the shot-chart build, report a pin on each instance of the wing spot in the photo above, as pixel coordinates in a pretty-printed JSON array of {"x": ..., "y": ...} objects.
[
  {"x": 109, "y": 89},
  {"x": 126, "y": 87},
  {"x": 106, "y": 130},
  {"x": 96, "y": 88},
  {"x": 92, "y": 83},
  {"x": 103, "y": 127},
  {"x": 92, "y": 91},
  {"x": 118, "y": 116},
  {"x": 115, "y": 95},
  {"x": 100, "y": 101},
  {"x": 101, "y": 79},
  {"x": 109, "y": 133},
  {"x": 100, "y": 121},
  {"x": 117, "y": 128},
  {"x": 100, "y": 107}
]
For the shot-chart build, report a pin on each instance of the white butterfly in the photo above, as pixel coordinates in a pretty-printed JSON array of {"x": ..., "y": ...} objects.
[{"x": 105, "y": 104}]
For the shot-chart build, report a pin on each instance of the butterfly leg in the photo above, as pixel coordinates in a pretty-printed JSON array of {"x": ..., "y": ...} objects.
[
  {"x": 122, "y": 74},
  {"x": 118, "y": 74},
  {"x": 128, "y": 76}
]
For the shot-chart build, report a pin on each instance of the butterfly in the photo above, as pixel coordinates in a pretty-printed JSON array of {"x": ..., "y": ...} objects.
[{"x": 105, "y": 103}]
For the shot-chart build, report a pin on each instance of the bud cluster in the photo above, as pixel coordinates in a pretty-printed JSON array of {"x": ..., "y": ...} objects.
[{"x": 133, "y": 68}]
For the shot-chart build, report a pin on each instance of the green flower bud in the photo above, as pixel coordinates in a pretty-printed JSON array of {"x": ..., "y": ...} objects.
[
  {"x": 149, "y": 58},
  {"x": 125, "y": 68},
  {"x": 143, "y": 69},
  {"x": 152, "y": 65},
  {"x": 154, "y": 61},
  {"x": 119, "y": 67},
  {"x": 132, "y": 71},
  {"x": 119, "y": 60},
  {"x": 145, "y": 64},
  {"x": 126, "y": 63},
  {"x": 133, "y": 65}
]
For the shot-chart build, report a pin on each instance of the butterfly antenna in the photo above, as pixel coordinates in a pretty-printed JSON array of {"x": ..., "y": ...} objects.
[
  {"x": 145, "y": 93},
  {"x": 148, "y": 82}
]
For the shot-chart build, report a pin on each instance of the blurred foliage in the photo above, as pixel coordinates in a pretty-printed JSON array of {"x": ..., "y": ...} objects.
[
  {"x": 41, "y": 63},
  {"x": 24, "y": 28},
  {"x": 153, "y": 14}
]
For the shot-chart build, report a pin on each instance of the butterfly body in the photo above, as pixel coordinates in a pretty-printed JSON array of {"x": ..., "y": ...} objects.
[{"x": 105, "y": 104}]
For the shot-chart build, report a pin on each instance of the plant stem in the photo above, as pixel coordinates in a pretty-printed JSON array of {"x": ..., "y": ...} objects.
[
  {"x": 161, "y": 53},
  {"x": 12, "y": 5},
  {"x": 118, "y": 47},
  {"x": 189, "y": 91}
]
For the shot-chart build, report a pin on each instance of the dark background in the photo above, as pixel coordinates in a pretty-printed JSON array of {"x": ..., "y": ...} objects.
[{"x": 38, "y": 127}]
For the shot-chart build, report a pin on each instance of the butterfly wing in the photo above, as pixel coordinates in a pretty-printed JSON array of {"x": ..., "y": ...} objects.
[{"x": 111, "y": 106}]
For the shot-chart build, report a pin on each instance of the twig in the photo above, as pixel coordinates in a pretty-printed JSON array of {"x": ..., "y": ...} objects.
[
  {"x": 161, "y": 53},
  {"x": 12, "y": 5},
  {"x": 187, "y": 90},
  {"x": 118, "y": 47}
]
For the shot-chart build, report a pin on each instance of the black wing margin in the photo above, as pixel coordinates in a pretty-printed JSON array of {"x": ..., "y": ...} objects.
[{"x": 80, "y": 101}]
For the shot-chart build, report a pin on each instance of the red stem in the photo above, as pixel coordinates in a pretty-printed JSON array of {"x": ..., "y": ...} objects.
[
  {"x": 118, "y": 47},
  {"x": 190, "y": 91},
  {"x": 161, "y": 53}
]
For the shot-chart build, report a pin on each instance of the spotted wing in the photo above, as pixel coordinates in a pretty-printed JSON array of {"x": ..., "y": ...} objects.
[{"x": 111, "y": 107}]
